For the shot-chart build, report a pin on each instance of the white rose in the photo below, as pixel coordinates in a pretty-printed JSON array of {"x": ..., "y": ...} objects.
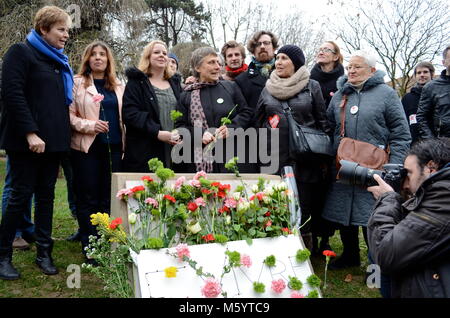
[
  {"x": 236, "y": 196},
  {"x": 255, "y": 188},
  {"x": 132, "y": 218},
  {"x": 194, "y": 229}
]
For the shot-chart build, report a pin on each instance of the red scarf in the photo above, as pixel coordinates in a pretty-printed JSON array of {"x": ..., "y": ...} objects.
[{"x": 235, "y": 72}]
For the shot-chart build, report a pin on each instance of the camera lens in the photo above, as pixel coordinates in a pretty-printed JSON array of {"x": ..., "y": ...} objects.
[{"x": 353, "y": 174}]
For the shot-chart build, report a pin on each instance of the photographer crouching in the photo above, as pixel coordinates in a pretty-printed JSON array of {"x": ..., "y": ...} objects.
[{"x": 410, "y": 240}]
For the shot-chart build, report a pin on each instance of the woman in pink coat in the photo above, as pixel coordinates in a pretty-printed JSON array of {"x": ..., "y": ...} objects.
[{"x": 97, "y": 134}]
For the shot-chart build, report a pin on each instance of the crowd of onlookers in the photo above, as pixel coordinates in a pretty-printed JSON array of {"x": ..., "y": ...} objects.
[{"x": 96, "y": 125}]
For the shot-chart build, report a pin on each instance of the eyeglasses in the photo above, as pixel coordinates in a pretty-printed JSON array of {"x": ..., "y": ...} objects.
[
  {"x": 265, "y": 43},
  {"x": 355, "y": 67},
  {"x": 325, "y": 50}
]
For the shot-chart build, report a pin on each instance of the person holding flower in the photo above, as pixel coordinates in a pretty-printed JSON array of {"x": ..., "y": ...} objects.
[
  {"x": 35, "y": 131},
  {"x": 290, "y": 85},
  {"x": 97, "y": 134},
  {"x": 151, "y": 93},
  {"x": 207, "y": 104}
]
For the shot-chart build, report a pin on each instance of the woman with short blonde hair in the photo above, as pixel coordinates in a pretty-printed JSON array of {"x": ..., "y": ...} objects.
[{"x": 35, "y": 131}]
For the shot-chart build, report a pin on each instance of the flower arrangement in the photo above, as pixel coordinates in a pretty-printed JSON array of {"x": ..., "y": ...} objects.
[
  {"x": 191, "y": 212},
  {"x": 203, "y": 211}
]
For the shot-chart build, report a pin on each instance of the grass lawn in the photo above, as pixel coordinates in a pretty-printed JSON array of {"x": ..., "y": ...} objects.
[{"x": 34, "y": 284}]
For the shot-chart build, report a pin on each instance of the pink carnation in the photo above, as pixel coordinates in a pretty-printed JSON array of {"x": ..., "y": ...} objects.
[
  {"x": 230, "y": 203},
  {"x": 246, "y": 261},
  {"x": 200, "y": 201},
  {"x": 211, "y": 289},
  {"x": 296, "y": 294},
  {"x": 278, "y": 286},
  {"x": 183, "y": 250},
  {"x": 195, "y": 183},
  {"x": 98, "y": 98},
  {"x": 123, "y": 192},
  {"x": 180, "y": 181},
  {"x": 152, "y": 201},
  {"x": 199, "y": 175}
]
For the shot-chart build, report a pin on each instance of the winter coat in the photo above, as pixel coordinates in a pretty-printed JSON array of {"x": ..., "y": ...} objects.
[
  {"x": 217, "y": 102},
  {"x": 412, "y": 241},
  {"x": 433, "y": 114},
  {"x": 34, "y": 101},
  {"x": 84, "y": 113},
  {"x": 327, "y": 80},
  {"x": 251, "y": 84},
  {"x": 308, "y": 109},
  {"x": 380, "y": 121},
  {"x": 410, "y": 104},
  {"x": 140, "y": 114}
]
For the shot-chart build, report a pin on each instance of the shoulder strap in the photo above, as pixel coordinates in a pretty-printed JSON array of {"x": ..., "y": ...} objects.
[{"x": 342, "y": 113}]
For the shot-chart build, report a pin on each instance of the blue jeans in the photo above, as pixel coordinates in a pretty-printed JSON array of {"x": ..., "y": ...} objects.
[{"x": 26, "y": 225}]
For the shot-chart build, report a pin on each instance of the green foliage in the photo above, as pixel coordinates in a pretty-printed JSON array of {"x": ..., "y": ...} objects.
[
  {"x": 313, "y": 281},
  {"x": 295, "y": 283},
  {"x": 154, "y": 243},
  {"x": 165, "y": 174},
  {"x": 302, "y": 255},
  {"x": 313, "y": 294},
  {"x": 270, "y": 261},
  {"x": 222, "y": 239},
  {"x": 175, "y": 115},
  {"x": 154, "y": 164},
  {"x": 259, "y": 287},
  {"x": 234, "y": 257}
]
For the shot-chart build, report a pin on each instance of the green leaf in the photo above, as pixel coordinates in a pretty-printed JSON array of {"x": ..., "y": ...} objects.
[
  {"x": 236, "y": 227},
  {"x": 249, "y": 241}
]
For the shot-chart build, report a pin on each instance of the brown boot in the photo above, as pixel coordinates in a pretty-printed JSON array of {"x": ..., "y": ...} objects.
[{"x": 20, "y": 244}]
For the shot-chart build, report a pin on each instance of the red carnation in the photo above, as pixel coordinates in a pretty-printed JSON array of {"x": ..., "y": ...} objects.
[
  {"x": 286, "y": 230},
  {"x": 215, "y": 184},
  {"x": 115, "y": 223},
  {"x": 221, "y": 194},
  {"x": 138, "y": 188},
  {"x": 208, "y": 238},
  {"x": 147, "y": 178},
  {"x": 224, "y": 187},
  {"x": 192, "y": 206},
  {"x": 206, "y": 191},
  {"x": 267, "y": 214},
  {"x": 170, "y": 198},
  {"x": 329, "y": 253},
  {"x": 224, "y": 209}
]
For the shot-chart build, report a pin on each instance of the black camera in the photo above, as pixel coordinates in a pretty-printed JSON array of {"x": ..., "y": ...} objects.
[{"x": 354, "y": 174}]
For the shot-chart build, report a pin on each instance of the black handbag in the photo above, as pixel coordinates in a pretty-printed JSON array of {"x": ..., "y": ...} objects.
[{"x": 304, "y": 140}]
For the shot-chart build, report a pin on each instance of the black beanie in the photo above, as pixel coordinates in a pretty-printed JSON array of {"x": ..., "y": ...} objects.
[{"x": 295, "y": 54}]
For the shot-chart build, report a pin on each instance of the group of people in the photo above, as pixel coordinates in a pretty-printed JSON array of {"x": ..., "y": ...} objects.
[{"x": 111, "y": 127}]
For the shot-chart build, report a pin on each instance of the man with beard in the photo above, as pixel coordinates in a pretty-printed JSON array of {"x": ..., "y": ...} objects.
[
  {"x": 262, "y": 45},
  {"x": 423, "y": 73},
  {"x": 234, "y": 55}
]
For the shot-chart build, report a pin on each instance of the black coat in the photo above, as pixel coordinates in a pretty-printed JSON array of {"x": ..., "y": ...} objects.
[
  {"x": 34, "y": 101},
  {"x": 412, "y": 241},
  {"x": 433, "y": 114},
  {"x": 140, "y": 114},
  {"x": 327, "y": 80},
  {"x": 217, "y": 102},
  {"x": 251, "y": 84},
  {"x": 308, "y": 109},
  {"x": 410, "y": 104}
]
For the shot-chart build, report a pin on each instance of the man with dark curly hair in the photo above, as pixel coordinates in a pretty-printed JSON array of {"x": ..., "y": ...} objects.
[{"x": 262, "y": 45}]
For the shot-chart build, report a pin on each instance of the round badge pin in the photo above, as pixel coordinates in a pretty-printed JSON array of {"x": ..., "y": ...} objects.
[
  {"x": 354, "y": 110},
  {"x": 220, "y": 101}
]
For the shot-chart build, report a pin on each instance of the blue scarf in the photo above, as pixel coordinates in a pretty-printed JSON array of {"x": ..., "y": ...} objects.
[
  {"x": 264, "y": 68},
  {"x": 57, "y": 55}
]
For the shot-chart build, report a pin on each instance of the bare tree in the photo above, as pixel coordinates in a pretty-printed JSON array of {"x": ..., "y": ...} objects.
[{"x": 401, "y": 32}]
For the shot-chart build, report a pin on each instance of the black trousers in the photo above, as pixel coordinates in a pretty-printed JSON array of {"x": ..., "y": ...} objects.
[
  {"x": 312, "y": 199},
  {"x": 92, "y": 183},
  {"x": 350, "y": 240},
  {"x": 30, "y": 173}
]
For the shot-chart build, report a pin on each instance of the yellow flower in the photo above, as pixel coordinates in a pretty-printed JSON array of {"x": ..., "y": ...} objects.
[
  {"x": 171, "y": 272},
  {"x": 101, "y": 219}
]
